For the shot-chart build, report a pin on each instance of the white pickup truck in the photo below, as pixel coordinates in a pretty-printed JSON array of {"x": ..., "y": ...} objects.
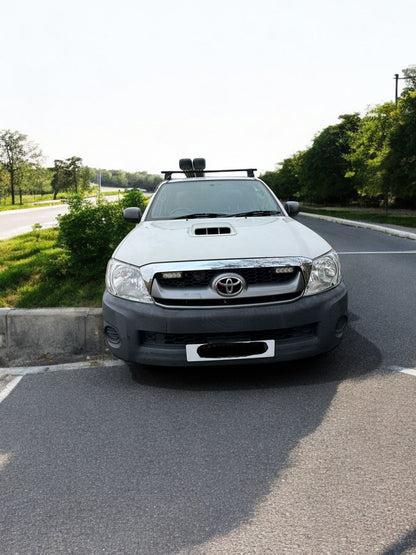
[{"x": 217, "y": 271}]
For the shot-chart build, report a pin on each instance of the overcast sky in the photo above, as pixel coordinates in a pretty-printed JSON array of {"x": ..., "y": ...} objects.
[{"x": 135, "y": 85}]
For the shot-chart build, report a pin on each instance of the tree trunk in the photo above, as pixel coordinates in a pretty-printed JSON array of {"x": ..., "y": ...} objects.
[{"x": 12, "y": 186}]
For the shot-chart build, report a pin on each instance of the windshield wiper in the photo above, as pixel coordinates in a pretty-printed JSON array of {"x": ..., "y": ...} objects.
[
  {"x": 256, "y": 213},
  {"x": 200, "y": 215}
]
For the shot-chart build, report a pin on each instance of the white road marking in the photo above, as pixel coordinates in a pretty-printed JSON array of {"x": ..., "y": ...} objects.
[
  {"x": 20, "y": 372},
  {"x": 410, "y": 371},
  {"x": 9, "y": 387},
  {"x": 87, "y": 364},
  {"x": 4, "y": 459}
]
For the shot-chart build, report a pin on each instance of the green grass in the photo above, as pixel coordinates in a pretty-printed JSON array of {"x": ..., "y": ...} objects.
[
  {"x": 35, "y": 201},
  {"x": 30, "y": 201},
  {"x": 34, "y": 273},
  {"x": 391, "y": 218},
  {"x": 5, "y": 207}
]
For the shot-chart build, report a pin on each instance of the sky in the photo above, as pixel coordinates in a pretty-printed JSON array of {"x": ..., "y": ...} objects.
[{"x": 136, "y": 85}]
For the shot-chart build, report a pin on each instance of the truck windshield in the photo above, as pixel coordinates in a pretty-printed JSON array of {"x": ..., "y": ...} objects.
[{"x": 212, "y": 198}]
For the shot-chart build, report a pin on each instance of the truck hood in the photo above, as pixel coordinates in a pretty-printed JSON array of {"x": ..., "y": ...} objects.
[{"x": 219, "y": 239}]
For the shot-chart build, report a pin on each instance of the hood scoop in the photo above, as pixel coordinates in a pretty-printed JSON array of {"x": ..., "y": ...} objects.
[{"x": 209, "y": 230}]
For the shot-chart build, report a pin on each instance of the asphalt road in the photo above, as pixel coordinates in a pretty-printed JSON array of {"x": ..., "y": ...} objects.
[
  {"x": 16, "y": 222},
  {"x": 311, "y": 457}
]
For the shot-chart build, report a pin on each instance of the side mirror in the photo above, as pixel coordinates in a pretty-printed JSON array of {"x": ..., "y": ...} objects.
[
  {"x": 132, "y": 214},
  {"x": 292, "y": 208}
]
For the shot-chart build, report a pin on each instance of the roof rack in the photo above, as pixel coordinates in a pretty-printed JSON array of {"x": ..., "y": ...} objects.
[{"x": 196, "y": 168}]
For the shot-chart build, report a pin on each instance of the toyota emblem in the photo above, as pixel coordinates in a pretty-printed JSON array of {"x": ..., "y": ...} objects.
[{"x": 229, "y": 285}]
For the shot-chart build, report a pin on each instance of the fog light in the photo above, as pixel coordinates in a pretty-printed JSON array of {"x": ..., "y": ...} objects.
[
  {"x": 112, "y": 335},
  {"x": 285, "y": 270},
  {"x": 172, "y": 275}
]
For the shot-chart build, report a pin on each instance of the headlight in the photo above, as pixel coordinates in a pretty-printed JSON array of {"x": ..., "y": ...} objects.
[
  {"x": 325, "y": 273},
  {"x": 125, "y": 281}
]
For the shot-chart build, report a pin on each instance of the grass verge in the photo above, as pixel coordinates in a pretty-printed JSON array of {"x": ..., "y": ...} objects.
[
  {"x": 36, "y": 201},
  {"x": 34, "y": 274}
]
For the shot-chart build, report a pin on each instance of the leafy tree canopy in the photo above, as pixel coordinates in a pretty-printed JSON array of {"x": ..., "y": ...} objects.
[
  {"x": 18, "y": 157},
  {"x": 370, "y": 158},
  {"x": 410, "y": 77}
]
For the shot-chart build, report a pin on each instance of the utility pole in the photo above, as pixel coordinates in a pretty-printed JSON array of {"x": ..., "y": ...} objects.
[
  {"x": 99, "y": 183},
  {"x": 396, "y": 94}
]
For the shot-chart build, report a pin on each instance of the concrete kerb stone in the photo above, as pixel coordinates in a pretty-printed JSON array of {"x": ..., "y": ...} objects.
[
  {"x": 3, "y": 327},
  {"x": 48, "y": 335}
]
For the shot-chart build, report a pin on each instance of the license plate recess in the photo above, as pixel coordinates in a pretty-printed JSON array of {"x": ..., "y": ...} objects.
[{"x": 235, "y": 350}]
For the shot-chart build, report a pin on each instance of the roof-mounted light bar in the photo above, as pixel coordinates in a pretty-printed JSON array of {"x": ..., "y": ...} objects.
[
  {"x": 199, "y": 166},
  {"x": 187, "y": 167},
  {"x": 196, "y": 168}
]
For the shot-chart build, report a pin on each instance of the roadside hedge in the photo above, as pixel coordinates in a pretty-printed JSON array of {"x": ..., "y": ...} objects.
[{"x": 90, "y": 231}]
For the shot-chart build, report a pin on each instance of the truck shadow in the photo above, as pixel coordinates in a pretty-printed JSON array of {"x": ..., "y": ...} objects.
[
  {"x": 171, "y": 463},
  {"x": 355, "y": 358}
]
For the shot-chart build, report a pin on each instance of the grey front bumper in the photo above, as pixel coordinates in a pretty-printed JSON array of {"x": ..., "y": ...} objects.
[{"x": 150, "y": 334}]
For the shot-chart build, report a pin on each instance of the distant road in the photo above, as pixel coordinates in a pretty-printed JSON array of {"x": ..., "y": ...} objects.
[{"x": 16, "y": 222}]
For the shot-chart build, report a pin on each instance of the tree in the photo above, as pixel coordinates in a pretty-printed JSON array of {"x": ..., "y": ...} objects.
[
  {"x": 58, "y": 179},
  {"x": 143, "y": 180},
  {"x": 17, "y": 154},
  {"x": 285, "y": 180},
  {"x": 410, "y": 76},
  {"x": 122, "y": 180},
  {"x": 78, "y": 176},
  {"x": 400, "y": 160},
  {"x": 105, "y": 177},
  {"x": 369, "y": 149},
  {"x": 4, "y": 183},
  {"x": 324, "y": 166},
  {"x": 70, "y": 175}
]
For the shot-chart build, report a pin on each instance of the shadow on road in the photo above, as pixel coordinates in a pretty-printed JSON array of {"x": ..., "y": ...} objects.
[
  {"x": 103, "y": 464},
  {"x": 404, "y": 545},
  {"x": 353, "y": 359}
]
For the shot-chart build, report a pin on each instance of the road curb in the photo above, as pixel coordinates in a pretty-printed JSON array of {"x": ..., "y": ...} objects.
[
  {"x": 397, "y": 232},
  {"x": 50, "y": 335}
]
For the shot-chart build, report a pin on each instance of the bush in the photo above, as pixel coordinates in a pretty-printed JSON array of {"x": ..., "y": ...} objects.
[
  {"x": 134, "y": 197},
  {"x": 91, "y": 231}
]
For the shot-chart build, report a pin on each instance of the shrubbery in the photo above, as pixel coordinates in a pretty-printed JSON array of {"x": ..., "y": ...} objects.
[{"x": 91, "y": 231}]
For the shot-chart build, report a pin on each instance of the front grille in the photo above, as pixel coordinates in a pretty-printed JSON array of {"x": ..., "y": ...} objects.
[
  {"x": 155, "y": 338},
  {"x": 211, "y": 283},
  {"x": 203, "y": 278}
]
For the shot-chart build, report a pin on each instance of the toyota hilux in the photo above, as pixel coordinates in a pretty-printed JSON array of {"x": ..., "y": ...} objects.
[{"x": 218, "y": 271}]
